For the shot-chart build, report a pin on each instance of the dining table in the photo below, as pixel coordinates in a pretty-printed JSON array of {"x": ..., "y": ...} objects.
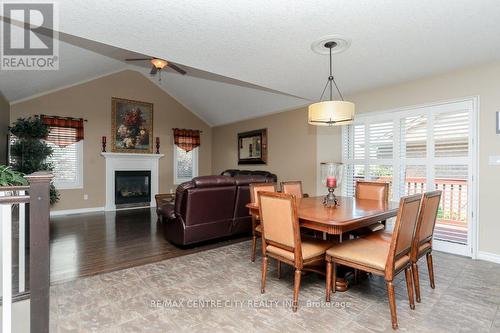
[{"x": 349, "y": 214}]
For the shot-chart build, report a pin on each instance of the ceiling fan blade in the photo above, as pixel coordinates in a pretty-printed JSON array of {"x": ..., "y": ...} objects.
[
  {"x": 153, "y": 70},
  {"x": 176, "y": 68},
  {"x": 138, "y": 59}
]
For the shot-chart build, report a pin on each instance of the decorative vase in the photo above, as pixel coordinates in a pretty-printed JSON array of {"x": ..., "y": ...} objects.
[{"x": 331, "y": 177}]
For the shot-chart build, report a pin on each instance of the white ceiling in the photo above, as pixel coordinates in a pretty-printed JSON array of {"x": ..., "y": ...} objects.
[{"x": 267, "y": 43}]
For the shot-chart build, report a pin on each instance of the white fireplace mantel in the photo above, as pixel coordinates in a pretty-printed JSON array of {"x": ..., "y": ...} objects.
[{"x": 130, "y": 162}]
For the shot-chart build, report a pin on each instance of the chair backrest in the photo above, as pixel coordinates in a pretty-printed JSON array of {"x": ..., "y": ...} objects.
[
  {"x": 280, "y": 222},
  {"x": 427, "y": 219},
  {"x": 372, "y": 190},
  {"x": 404, "y": 230},
  {"x": 292, "y": 187},
  {"x": 255, "y": 188}
]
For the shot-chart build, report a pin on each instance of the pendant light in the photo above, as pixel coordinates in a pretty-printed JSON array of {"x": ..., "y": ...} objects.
[{"x": 331, "y": 113}]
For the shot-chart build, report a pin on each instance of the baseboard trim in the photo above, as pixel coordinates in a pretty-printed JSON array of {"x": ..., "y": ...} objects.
[
  {"x": 76, "y": 211},
  {"x": 492, "y": 257}
]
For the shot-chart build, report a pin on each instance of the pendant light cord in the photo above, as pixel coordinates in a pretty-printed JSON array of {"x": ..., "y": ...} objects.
[{"x": 331, "y": 82}]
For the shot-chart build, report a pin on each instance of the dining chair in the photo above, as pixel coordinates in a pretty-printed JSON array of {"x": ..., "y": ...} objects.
[
  {"x": 281, "y": 239},
  {"x": 381, "y": 258},
  {"x": 256, "y": 227},
  {"x": 369, "y": 190},
  {"x": 422, "y": 242},
  {"x": 293, "y": 187}
]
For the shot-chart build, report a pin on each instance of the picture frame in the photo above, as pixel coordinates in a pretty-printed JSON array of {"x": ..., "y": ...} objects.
[
  {"x": 131, "y": 126},
  {"x": 252, "y": 147}
]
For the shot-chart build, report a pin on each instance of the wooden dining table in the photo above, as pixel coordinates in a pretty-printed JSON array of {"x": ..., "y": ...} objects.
[{"x": 350, "y": 214}]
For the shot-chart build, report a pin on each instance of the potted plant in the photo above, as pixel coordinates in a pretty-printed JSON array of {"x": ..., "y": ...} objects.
[{"x": 29, "y": 152}]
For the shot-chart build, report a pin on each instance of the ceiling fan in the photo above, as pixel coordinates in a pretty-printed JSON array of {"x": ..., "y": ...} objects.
[{"x": 158, "y": 65}]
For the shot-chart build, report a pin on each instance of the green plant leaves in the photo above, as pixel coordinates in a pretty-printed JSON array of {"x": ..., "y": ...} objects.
[{"x": 9, "y": 177}]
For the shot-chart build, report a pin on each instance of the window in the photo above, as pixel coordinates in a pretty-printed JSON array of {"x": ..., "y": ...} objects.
[
  {"x": 66, "y": 140},
  {"x": 67, "y": 162},
  {"x": 417, "y": 150},
  {"x": 185, "y": 165}
]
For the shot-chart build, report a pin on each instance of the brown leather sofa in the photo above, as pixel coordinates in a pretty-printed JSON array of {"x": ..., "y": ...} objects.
[
  {"x": 210, "y": 207},
  {"x": 236, "y": 172}
]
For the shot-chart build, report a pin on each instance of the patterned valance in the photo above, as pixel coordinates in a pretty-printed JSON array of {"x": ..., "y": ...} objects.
[
  {"x": 186, "y": 139},
  {"x": 64, "y": 131}
]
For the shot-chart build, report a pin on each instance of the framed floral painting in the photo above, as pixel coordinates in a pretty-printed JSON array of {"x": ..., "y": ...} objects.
[{"x": 132, "y": 126}]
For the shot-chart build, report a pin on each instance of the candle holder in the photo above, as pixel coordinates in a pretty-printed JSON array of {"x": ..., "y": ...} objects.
[
  {"x": 157, "y": 145},
  {"x": 103, "y": 141},
  {"x": 331, "y": 176}
]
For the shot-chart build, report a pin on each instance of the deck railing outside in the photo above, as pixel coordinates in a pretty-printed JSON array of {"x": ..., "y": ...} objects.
[
  {"x": 453, "y": 208},
  {"x": 13, "y": 203}
]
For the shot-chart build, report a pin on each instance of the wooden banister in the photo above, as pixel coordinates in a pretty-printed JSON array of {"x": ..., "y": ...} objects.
[{"x": 39, "y": 281}]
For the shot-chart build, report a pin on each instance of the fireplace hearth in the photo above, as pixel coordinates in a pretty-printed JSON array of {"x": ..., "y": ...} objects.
[{"x": 132, "y": 188}]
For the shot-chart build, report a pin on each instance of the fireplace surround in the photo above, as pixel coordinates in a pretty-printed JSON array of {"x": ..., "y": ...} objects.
[{"x": 130, "y": 162}]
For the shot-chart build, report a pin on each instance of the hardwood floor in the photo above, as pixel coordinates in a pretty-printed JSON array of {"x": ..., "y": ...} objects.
[{"x": 94, "y": 243}]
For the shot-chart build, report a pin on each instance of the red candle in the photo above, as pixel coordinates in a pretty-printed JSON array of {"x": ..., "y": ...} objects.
[
  {"x": 157, "y": 140},
  {"x": 331, "y": 182},
  {"x": 103, "y": 139}
]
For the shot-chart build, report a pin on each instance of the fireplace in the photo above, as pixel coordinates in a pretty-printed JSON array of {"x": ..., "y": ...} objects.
[{"x": 132, "y": 188}]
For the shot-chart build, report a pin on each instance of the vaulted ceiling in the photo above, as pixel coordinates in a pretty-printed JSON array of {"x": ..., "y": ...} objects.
[{"x": 250, "y": 58}]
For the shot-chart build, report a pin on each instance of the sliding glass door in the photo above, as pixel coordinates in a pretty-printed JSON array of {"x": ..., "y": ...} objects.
[{"x": 417, "y": 150}]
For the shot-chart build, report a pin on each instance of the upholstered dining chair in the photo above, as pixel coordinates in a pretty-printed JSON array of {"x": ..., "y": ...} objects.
[
  {"x": 371, "y": 191},
  {"x": 281, "y": 239},
  {"x": 381, "y": 258},
  {"x": 422, "y": 242},
  {"x": 293, "y": 187},
  {"x": 256, "y": 227}
]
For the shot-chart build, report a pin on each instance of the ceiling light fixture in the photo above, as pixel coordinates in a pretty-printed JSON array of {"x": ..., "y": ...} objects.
[
  {"x": 159, "y": 63},
  {"x": 331, "y": 113}
]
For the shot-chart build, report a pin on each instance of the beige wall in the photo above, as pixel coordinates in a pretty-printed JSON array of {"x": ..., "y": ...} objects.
[
  {"x": 291, "y": 142},
  {"x": 4, "y": 127},
  {"x": 92, "y": 101},
  {"x": 482, "y": 81}
]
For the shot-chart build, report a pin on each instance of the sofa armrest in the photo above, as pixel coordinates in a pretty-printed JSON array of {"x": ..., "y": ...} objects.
[{"x": 167, "y": 210}]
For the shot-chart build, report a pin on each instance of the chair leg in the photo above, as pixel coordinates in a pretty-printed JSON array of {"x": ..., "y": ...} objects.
[
  {"x": 264, "y": 273},
  {"x": 334, "y": 278},
  {"x": 416, "y": 281},
  {"x": 328, "y": 279},
  {"x": 392, "y": 304},
  {"x": 430, "y": 267},
  {"x": 409, "y": 287},
  {"x": 279, "y": 269},
  {"x": 356, "y": 275},
  {"x": 254, "y": 247},
  {"x": 296, "y": 287}
]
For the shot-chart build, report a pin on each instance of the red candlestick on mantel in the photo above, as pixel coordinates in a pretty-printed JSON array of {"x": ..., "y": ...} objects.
[
  {"x": 103, "y": 144},
  {"x": 157, "y": 144},
  {"x": 331, "y": 182}
]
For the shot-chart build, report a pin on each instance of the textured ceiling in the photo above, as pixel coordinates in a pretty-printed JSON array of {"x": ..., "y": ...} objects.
[{"x": 267, "y": 44}]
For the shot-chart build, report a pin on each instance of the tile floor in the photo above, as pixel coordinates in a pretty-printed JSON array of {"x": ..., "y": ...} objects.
[{"x": 219, "y": 291}]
